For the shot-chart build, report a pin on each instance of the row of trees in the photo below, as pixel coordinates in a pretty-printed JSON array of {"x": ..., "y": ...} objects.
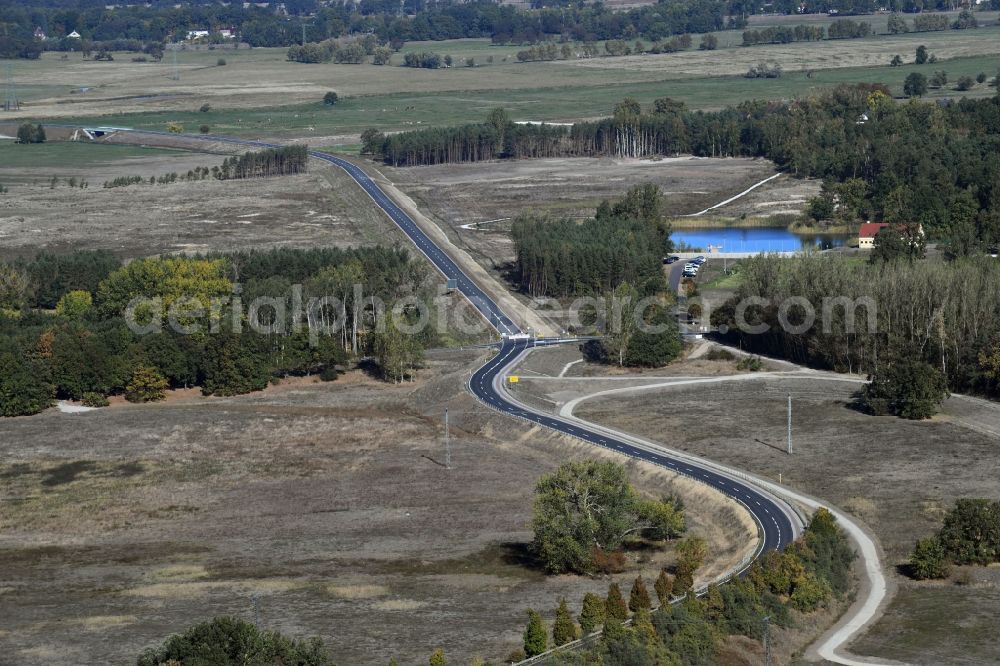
[
  {"x": 806, "y": 576},
  {"x": 62, "y": 332},
  {"x": 936, "y": 164},
  {"x": 970, "y": 535},
  {"x": 284, "y": 161},
  {"x": 341, "y": 51}
]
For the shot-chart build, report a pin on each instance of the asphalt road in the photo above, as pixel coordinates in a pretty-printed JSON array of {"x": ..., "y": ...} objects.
[{"x": 487, "y": 383}]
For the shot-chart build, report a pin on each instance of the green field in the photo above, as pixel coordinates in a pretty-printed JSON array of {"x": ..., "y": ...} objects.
[
  {"x": 69, "y": 154},
  {"x": 413, "y": 110}
]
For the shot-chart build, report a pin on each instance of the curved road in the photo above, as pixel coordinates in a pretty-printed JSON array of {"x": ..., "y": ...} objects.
[{"x": 773, "y": 516}]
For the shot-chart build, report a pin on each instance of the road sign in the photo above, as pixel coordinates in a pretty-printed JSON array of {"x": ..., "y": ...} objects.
[{"x": 513, "y": 379}]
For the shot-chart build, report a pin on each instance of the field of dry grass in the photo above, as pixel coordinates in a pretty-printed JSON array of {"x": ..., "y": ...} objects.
[
  {"x": 489, "y": 195},
  {"x": 898, "y": 477},
  {"x": 322, "y": 208},
  {"x": 328, "y": 501}
]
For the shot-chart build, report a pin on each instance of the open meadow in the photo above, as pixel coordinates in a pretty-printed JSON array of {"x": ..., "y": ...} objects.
[
  {"x": 323, "y": 207},
  {"x": 327, "y": 502}
]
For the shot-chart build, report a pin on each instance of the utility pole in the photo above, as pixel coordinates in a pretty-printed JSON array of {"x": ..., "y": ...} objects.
[
  {"x": 447, "y": 441},
  {"x": 303, "y": 33},
  {"x": 177, "y": 71},
  {"x": 767, "y": 640},
  {"x": 789, "y": 424}
]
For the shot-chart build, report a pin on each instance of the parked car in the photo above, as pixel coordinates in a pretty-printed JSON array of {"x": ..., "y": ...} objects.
[
  {"x": 700, "y": 259},
  {"x": 671, "y": 259}
]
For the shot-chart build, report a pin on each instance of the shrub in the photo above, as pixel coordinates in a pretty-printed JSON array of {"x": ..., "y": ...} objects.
[
  {"x": 965, "y": 83},
  {"x": 204, "y": 129},
  {"x": 330, "y": 98},
  {"x": 228, "y": 640},
  {"x": 750, "y": 364},
  {"x": 175, "y": 128},
  {"x": 909, "y": 389},
  {"x": 928, "y": 560},
  {"x": 205, "y": 108},
  {"x": 221, "y": 62},
  {"x": 764, "y": 70},
  {"x": 91, "y": 399},
  {"x": 981, "y": 77},
  {"x": 717, "y": 354},
  {"x": 328, "y": 374}
]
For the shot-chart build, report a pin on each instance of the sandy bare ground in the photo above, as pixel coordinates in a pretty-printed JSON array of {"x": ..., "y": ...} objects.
[
  {"x": 322, "y": 208},
  {"x": 328, "y": 501}
]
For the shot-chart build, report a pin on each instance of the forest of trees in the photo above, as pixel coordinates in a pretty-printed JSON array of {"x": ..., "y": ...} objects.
[
  {"x": 63, "y": 333},
  {"x": 933, "y": 164},
  {"x": 623, "y": 242},
  {"x": 141, "y": 26},
  {"x": 945, "y": 315}
]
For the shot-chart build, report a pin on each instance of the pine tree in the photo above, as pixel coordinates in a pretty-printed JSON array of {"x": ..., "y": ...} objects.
[
  {"x": 563, "y": 631},
  {"x": 642, "y": 623},
  {"x": 615, "y": 604},
  {"x": 592, "y": 615},
  {"x": 639, "y": 597},
  {"x": 664, "y": 587},
  {"x": 535, "y": 636},
  {"x": 437, "y": 659}
]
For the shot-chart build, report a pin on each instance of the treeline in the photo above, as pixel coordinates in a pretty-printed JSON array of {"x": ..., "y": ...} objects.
[
  {"x": 623, "y": 242},
  {"x": 686, "y": 629},
  {"x": 64, "y": 332},
  {"x": 945, "y": 315},
  {"x": 284, "y": 161},
  {"x": 948, "y": 179},
  {"x": 970, "y": 535},
  {"x": 839, "y": 29},
  {"x": 420, "y": 21},
  {"x": 349, "y": 52}
]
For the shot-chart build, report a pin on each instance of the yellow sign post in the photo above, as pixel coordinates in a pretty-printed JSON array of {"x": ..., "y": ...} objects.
[{"x": 513, "y": 379}]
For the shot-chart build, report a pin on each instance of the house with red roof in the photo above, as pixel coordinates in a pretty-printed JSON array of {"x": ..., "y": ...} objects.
[{"x": 869, "y": 230}]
